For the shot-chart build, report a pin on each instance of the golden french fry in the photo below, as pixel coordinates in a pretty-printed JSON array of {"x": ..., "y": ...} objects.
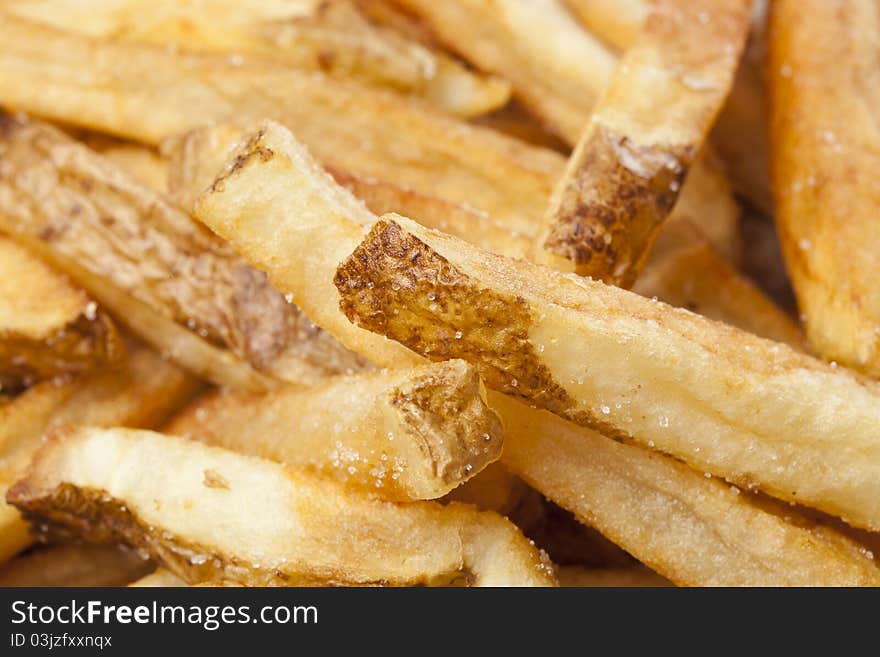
[
  {"x": 74, "y": 565},
  {"x": 280, "y": 527},
  {"x": 560, "y": 80},
  {"x": 635, "y": 576},
  {"x": 148, "y": 94},
  {"x": 825, "y": 142},
  {"x": 295, "y": 200},
  {"x": 196, "y": 157},
  {"x": 627, "y": 366},
  {"x": 399, "y": 434},
  {"x": 626, "y": 492},
  {"x": 143, "y": 392},
  {"x": 740, "y": 133},
  {"x": 152, "y": 265},
  {"x": 330, "y": 36},
  {"x": 47, "y": 326},
  {"x": 142, "y": 163},
  {"x": 685, "y": 271},
  {"x": 624, "y": 176}
]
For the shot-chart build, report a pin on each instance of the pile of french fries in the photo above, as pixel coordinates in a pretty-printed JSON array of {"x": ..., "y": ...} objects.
[{"x": 406, "y": 292}]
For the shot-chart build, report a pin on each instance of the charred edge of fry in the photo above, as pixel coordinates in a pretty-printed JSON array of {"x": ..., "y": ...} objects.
[
  {"x": 447, "y": 411},
  {"x": 393, "y": 274},
  {"x": 618, "y": 188}
]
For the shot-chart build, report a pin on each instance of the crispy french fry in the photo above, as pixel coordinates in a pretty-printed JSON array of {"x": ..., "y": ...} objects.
[
  {"x": 280, "y": 527},
  {"x": 825, "y": 151},
  {"x": 330, "y": 36},
  {"x": 266, "y": 221},
  {"x": 627, "y": 366},
  {"x": 160, "y": 578},
  {"x": 197, "y": 155},
  {"x": 635, "y": 576},
  {"x": 74, "y": 565},
  {"x": 496, "y": 488},
  {"x": 560, "y": 80},
  {"x": 47, "y": 326},
  {"x": 626, "y": 492},
  {"x": 740, "y": 133},
  {"x": 170, "y": 281},
  {"x": 142, "y": 163},
  {"x": 399, "y": 434},
  {"x": 624, "y": 176},
  {"x": 148, "y": 94},
  {"x": 685, "y": 271},
  {"x": 141, "y": 393}
]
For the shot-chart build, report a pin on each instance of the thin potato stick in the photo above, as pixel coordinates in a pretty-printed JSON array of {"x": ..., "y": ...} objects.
[
  {"x": 624, "y": 176},
  {"x": 280, "y": 527},
  {"x": 405, "y": 434},
  {"x": 826, "y": 150}
]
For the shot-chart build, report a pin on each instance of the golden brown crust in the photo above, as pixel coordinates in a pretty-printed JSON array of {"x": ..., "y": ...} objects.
[
  {"x": 635, "y": 151},
  {"x": 824, "y": 91}
]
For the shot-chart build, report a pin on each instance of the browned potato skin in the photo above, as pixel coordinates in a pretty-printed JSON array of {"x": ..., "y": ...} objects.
[
  {"x": 826, "y": 153},
  {"x": 740, "y": 134},
  {"x": 319, "y": 532},
  {"x": 508, "y": 312},
  {"x": 400, "y": 435},
  {"x": 142, "y": 392},
  {"x": 624, "y": 176},
  {"x": 292, "y": 187},
  {"x": 77, "y": 210},
  {"x": 48, "y": 327},
  {"x": 74, "y": 565}
]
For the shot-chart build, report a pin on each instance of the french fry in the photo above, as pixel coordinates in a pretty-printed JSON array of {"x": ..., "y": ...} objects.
[
  {"x": 152, "y": 266},
  {"x": 626, "y": 492},
  {"x": 148, "y": 94},
  {"x": 560, "y": 80},
  {"x": 626, "y": 366},
  {"x": 685, "y": 271},
  {"x": 557, "y": 79},
  {"x": 197, "y": 155},
  {"x": 624, "y": 176},
  {"x": 635, "y": 576},
  {"x": 280, "y": 527},
  {"x": 141, "y": 393},
  {"x": 399, "y": 434},
  {"x": 74, "y": 565},
  {"x": 740, "y": 133},
  {"x": 47, "y": 326},
  {"x": 142, "y": 163},
  {"x": 824, "y": 148},
  {"x": 330, "y": 36},
  {"x": 266, "y": 220}
]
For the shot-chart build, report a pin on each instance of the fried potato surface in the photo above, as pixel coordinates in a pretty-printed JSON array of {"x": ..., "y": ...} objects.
[
  {"x": 280, "y": 527},
  {"x": 625, "y": 174},
  {"x": 826, "y": 148},
  {"x": 151, "y": 265},
  {"x": 750, "y": 410},
  {"x": 398, "y": 434},
  {"x": 47, "y": 326}
]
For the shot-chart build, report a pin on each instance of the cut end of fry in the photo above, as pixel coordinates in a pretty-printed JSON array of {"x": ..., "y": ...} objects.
[{"x": 398, "y": 434}]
